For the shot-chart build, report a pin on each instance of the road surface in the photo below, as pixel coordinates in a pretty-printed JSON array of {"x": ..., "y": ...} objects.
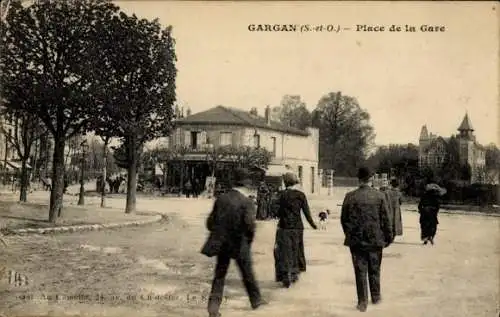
[{"x": 157, "y": 270}]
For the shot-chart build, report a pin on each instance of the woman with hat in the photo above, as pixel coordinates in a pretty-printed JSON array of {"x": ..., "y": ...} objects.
[
  {"x": 289, "y": 246},
  {"x": 428, "y": 209}
]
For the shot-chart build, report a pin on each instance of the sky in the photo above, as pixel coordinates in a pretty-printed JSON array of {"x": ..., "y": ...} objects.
[{"x": 403, "y": 79}]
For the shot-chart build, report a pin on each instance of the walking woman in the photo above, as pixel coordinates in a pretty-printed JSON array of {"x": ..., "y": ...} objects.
[
  {"x": 428, "y": 208},
  {"x": 262, "y": 202},
  {"x": 289, "y": 253}
]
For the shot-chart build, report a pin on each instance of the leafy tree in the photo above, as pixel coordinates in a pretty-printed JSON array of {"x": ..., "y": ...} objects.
[
  {"x": 451, "y": 168},
  {"x": 345, "y": 133},
  {"x": 104, "y": 127},
  {"x": 137, "y": 77},
  {"x": 216, "y": 154},
  {"x": 292, "y": 112},
  {"x": 247, "y": 156},
  {"x": 25, "y": 129},
  {"x": 492, "y": 158},
  {"x": 47, "y": 50},
  {"x": 395, "y": 159},
  {"x": 161, "y": 156}
]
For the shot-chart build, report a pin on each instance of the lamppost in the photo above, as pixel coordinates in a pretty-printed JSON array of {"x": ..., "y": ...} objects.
[{"x": 84, "y": 146}]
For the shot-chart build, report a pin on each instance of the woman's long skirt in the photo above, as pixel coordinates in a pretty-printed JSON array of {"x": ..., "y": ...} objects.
[
  {"x": 262, "y": 209},
  {"x": 287, "y": 255},
  {"x": 428, "y": 223}
]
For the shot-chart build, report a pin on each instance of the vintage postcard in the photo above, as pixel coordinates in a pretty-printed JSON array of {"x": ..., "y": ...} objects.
[{"x": 249, "y": 158}]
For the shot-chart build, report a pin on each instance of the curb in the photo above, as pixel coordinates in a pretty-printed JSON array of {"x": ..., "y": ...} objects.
[
  {"x": 465, "y": 213},
  {"x": 80, "y": 228}
]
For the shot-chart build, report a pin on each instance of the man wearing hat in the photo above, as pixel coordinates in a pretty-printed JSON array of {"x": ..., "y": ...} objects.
[
  {"x": 232, "y": 229},
  {"x": 367, "y": 230}
]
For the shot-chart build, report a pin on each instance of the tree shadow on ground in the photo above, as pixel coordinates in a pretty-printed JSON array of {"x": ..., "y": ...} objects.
[{"x": 24, "y": 218}]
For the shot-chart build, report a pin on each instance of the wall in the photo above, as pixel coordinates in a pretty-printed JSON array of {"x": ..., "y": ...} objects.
[
  {"x": 212, "y": 134},
  {"x": 265, "y": 140}
]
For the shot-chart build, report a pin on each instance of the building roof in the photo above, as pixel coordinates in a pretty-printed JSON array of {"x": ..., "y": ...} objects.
[
  {"x": 221, "y": 115},
  {"x": 466, "y": 125},
  {"x": 424, "y": 134}
]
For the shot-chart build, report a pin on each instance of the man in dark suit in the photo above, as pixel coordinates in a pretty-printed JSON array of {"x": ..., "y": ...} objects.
[
  {"x": 232, "y": 229},
  {"x": 367, "y": 230}
]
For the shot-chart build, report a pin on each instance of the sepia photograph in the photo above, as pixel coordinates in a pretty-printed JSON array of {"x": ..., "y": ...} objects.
[{"x": 249, "y": 158}]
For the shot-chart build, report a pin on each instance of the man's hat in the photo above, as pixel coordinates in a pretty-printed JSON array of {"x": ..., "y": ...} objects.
[{"x": 364, "y": 173}]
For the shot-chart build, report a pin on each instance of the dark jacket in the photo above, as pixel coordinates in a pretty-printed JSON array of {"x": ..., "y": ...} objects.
[
  {"x": 291, "y": 203},
  {"x": 429, "y": 199},
  {"x": 365, "y": 220},
  {"x": 231, "y": 224}
]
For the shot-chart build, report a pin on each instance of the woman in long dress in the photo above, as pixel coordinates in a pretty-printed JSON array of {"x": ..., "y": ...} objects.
[
  {"x": 290, "y": 232},
  {"x": 428, "y": 208}
]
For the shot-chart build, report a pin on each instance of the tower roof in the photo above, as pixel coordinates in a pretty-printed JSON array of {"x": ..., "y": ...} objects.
[
  {"x": 424, "y": 134},
  {"x": 466, "y": 125}
]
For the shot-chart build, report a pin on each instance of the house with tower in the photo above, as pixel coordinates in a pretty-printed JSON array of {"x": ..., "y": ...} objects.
[{"x": 433, "y": 149}]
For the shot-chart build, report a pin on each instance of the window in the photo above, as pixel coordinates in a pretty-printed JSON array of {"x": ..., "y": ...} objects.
[
  {"x": 226, "y": 138},
  {"x": 194, "y": 139},
  {"x": 273, "y": 139},
  {"x": 256, "y": 140}
]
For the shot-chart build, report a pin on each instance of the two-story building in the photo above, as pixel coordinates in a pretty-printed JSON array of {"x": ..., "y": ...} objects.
[{"x": 291, "y": 148}]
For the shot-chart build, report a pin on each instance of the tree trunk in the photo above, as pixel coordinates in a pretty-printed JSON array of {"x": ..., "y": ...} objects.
[
  {"x": 34, "y": 163},
  {"x": 57, "y": 191},
  {"x": 165, "y": 176},
  {"x": 24, "y": 181},
  {"x": 132, "y": 176},
  {"x": 104, "y": 174}
]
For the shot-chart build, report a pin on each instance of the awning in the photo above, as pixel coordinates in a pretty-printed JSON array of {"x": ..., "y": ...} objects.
[{"x": 277, "y": 170}]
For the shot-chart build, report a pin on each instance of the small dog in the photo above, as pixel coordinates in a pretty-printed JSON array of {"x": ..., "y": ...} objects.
[{"x": 323, "y": 219}]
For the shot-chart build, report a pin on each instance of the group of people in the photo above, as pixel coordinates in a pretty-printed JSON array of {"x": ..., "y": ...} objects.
[
  {"x": 266, "y": 201},
  {"x": 370, "y": 220},
  {"x": 193, "y": 188}
]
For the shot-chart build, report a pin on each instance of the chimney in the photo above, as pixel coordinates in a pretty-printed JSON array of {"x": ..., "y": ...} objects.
[{"x": 268, "y": 115}]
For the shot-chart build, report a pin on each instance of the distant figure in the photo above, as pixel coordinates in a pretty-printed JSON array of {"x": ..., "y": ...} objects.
[
  {"x": 196, "y": 188},
  {"x": 122, "y": 185},
  {"x": 210, "y": 189},
  {"x": 262, "y": 202},
  {"x": 428, "y": 208},
  {"x": 367, "y": 230},
  {"x": 384, "y": 188},
  {"x": 395, "y": 201},
  {"x": 232, "y": 229},
  {"x": 188, "y": 187}
]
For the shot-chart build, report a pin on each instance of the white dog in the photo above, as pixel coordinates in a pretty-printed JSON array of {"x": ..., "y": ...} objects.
[{"x": 323, "y": 219}]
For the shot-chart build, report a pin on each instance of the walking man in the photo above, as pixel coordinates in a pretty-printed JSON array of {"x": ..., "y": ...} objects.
[
  {"x": 367, "y": 230},
  {"x": 232, "y": 229}
]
